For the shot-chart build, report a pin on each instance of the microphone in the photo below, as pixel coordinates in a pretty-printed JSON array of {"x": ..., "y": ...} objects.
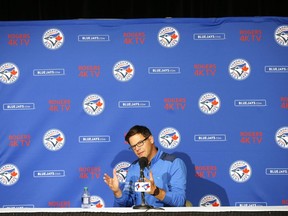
[{"x": 143, "y": 162}]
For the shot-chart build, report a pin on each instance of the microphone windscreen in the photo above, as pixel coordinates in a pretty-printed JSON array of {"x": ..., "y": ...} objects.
[{"x": 143, "y": 162}]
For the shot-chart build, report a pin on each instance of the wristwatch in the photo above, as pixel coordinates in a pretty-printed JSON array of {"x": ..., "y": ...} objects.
[{"x": 156, "y": 191}]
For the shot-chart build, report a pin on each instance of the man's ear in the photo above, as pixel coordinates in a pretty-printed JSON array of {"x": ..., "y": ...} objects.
[{"x": 151, "y": 139}]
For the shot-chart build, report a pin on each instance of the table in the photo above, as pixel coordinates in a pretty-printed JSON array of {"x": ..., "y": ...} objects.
[{"x": 183, "y": 211}]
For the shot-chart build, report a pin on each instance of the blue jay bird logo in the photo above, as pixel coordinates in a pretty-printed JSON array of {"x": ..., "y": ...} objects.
[
  {"x": 53, "y": 39},
  {"x": 284, "y": 36},
  {"x": 168, "y": 37},
  {"x": 54, "y": 140},
  {"x": 122, "y": 171},
  {"x": 123, "y": 71},
  {"x": 239, "y": 69},
  {"x": 281, "y": 137},
  {"x": 142, "y": 186},
  {"x": 284, "y": 138},
  {"x": 281, "y": 35},
  {"x": 169, "y": 138},
  {"x": 146, "y": 186},
  {"x": 137, "y": 187},
  {"x": 9, "y": 73},
  {"x": 209, "y": 103},
  {"x": 97, "y": 202},
  {"x": 240, "y": 171},
  {"x": 9, "y": 174},
  {"x": 210, "y": 201},
  {"x": 93, "y": 104}
]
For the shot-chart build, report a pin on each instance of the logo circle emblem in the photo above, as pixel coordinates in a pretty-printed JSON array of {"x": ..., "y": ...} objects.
[
  {"x": 54, "y": 140},
  {"x": 281, "y": 35},
  {"x": 9, "y": 174},
  {"x": 9, "y": 73},
  {"x": 169, "y": 138},
  {"x": 281, "y": 137},
  {"x": 122, "y": 171},
  {"x": 210, "y": 201},
  {"x": 53, "y": 39},
  {"x": 93, "y": 105},
  {"x": 168, "y": 37},
  {"x": 239, "y": 69},
  {"x": 97, "y": 202},
  {"x": 123, "y": 71},
  {"x": 209, "y": 103},
  {"x": 240, "y": 171}
]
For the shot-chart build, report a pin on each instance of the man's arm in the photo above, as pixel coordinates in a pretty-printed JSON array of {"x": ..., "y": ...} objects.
[{"x": 176, "y": 195}]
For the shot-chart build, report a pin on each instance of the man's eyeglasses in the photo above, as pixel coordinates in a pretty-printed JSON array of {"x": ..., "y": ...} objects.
[{"x": 139, "y": 144}]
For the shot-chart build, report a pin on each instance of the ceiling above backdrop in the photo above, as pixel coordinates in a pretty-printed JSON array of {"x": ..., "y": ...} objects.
[{"x": 126, "y": 9}]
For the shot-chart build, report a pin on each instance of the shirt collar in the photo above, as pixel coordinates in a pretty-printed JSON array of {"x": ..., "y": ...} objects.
[{"x": 155, "y": 158}]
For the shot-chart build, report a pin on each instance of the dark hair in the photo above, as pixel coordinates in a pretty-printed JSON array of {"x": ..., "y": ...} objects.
[{"x": 137, "y": 129}]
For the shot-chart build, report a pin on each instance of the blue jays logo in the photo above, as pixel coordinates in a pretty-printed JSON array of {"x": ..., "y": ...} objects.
[
  {"x": 281, "y": 35},
  {"x": 169, "y": 138},
  {"x": 123, "y": 71},
  {"x": 168, "y": 37},
  {"x": 54, "y": 140},
  {"x": 9, "y": 73},
  {"x": 239, "y": 69},
  {"x": 122, "y": 171},
  {"x": 97, "y": 202},
  {"x": 240, "y": 171},
  {"x": 209, "y": 103},
  {"x": 210, "y": 201},
  {"x": 93, "y": 104},
  {"x": 9, "y": 174},
  {"x": 53, "y": 39},
  {"x": 142, "y": 186},
  {"x": 281, "y": 137}
]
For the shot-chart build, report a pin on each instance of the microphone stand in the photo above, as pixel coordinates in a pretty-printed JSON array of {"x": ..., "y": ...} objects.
[{"x": 143, "y": 202}]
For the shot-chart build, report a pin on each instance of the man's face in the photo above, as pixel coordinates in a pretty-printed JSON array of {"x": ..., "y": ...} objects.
[{"x": 142, "y": 146}]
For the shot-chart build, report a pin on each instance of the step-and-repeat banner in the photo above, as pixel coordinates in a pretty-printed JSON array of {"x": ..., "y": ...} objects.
[{"x": 213, "y": 91}]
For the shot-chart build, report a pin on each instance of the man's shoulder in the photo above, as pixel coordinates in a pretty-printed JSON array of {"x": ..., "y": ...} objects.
[{"x": 167, "y": 157}]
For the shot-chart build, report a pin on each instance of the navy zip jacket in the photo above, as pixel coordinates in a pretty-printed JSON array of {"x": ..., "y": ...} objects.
[{"x": 169, "y": 174}]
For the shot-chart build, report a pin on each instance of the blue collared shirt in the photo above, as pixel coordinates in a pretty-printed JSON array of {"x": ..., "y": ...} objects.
[{"x": 169, "y": 174}]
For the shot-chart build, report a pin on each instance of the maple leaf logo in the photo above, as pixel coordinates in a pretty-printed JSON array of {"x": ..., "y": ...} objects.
[
  {"x": 174, "y": 36},
  {"x": 14, "y": 72},
  {"x": 246, "y": 171},
  {"x": 99, "y": 205},
  {"x": 58, "y": 38},
  {"x": 129, "y": 70},
  {"x": 174, "y": 137},
  {"x": 245, "y": 68},
  {"x": 99, "y": 104},
  {"x": 14, "y": 174},
  {"x": 59, "y": 139},
  {"x": 214, "y": 102},
  {"x": 215, "y": 204}
]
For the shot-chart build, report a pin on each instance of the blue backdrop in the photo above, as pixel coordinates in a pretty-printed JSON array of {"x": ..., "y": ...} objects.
[{"x": 212, "y": 91}]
